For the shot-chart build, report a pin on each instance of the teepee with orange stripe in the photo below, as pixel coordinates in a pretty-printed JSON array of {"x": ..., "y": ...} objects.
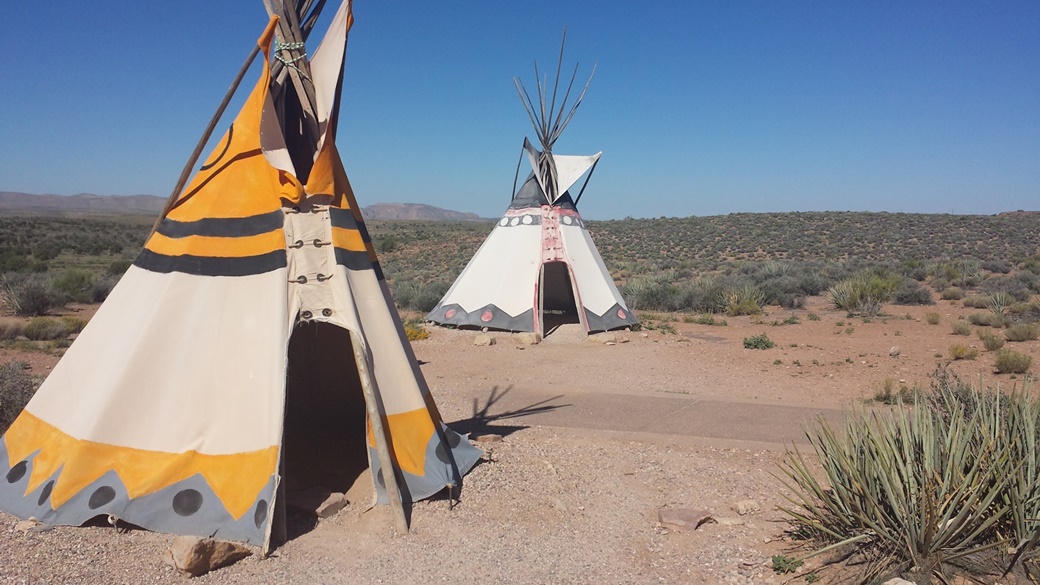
[{"x": 252, "y": 349}]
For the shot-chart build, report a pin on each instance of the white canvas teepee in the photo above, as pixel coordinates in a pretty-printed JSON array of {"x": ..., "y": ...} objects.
[
  {"x": 234, "y": 358},
  {"x": 539, "y": 267}
]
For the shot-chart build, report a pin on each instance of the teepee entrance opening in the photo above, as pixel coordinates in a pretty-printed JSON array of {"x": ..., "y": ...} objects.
[
  {"x": 325, "y": 433},
  {"x": 556, "y": 302}
]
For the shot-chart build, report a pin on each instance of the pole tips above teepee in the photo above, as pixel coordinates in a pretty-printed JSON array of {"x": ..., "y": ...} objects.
[{"x": 548, "y": 120}]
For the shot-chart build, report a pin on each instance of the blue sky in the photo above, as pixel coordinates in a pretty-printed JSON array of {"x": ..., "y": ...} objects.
[{"x": 700, "y": 108}]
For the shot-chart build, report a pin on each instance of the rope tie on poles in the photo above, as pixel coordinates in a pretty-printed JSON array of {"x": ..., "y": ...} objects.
[{"x": 280, "y": 46}]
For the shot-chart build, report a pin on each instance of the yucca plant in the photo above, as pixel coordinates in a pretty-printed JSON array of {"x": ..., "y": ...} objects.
[
  {"x": 999, "y": 302},
  {"x": 907, "y": 490}
]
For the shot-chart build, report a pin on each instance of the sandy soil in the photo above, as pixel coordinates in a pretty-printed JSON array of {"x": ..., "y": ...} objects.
[{"x": 597, "y": 437}]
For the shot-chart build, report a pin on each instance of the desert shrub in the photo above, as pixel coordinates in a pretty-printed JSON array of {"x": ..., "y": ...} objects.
[
  {"x": 922, "y": 489},
  {"x": 47, "y": 328},
  {"x": 987, "y": 319},
  {"x": 784, "y": 291},
  {"x": 865, "y": 292},
  {"x": 996, "y": 266},
  {"x": 1012, "y": 287},
  {"x": 889, "y": 394},
  {"x": 976, "y": 301},
  {"x": 16, "y": 388},
  {"x": 701, "y": 295},
  {"x": 760, "y": 341},
  {"x": 705, "y": 319},
  {"x": 655, "y": 293},
  {"x": 75, "y": 324},
  {"x": 745, "y": 300},
  {"x": 952, "y": 293},
  {"x": 932, "y": 318},
  {"x": 1009, "y": 361},
  {"x": 990, "y": 341},
  {"x": 103, "y": 287},
  {"x": 1022, "y": 332},
  {"x": 416, "y": 332},
  {"x": 75, "y": 285},
  {"x": 118, "y": 267},
  {"x": 10, "y": 328},
  {"x": 961, "y": 328},
  {"x": 29, "y": 295},
  {"x": 911, "y": 292},
  {"x": 414, "y": 296},
  {"x": 963, "y": 352}
]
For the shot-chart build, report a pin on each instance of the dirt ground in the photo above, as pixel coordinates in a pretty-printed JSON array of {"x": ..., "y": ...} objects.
[{"x": 596, "y": 439}]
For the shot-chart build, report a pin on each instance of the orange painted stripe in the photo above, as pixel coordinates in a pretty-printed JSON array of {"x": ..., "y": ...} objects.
[
  {"x": 410, "y": 434},
  {"x": 216, "y": 246},
  {"x": 235, "y": 478},
  {"x": 348, "y": 239}
]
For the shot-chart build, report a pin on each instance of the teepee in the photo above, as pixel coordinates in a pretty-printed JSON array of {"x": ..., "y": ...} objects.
[
  {"x": 252, "y": 349},
  {"x": 539, "y": 267}
]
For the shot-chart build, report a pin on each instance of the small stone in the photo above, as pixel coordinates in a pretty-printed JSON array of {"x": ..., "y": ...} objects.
[
  {"x": 894, "y": 351},
  {"x": 527, "y": 338},
  {"x": 684, "y": 518},
  {"x": 483, "y": 340},
  {"x": 25, "y": 525},
  {"x": 603, "y": 338},
  {"x": 196, "y": 556},
  {"x": 488, "y": 438},
  {"x": 745, "y": 507},
  {"x": 898, "y": 581}
]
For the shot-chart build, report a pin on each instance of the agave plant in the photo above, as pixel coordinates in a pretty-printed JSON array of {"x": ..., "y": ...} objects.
[{"x": 917, "y": 490}]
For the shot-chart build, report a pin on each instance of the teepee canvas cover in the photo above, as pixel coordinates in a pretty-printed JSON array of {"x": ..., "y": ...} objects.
[
  {"x": 222, "y": 366},
  {"x": 539, "y": 267}
]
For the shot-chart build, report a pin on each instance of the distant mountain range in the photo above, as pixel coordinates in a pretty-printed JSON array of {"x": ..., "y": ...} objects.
[{"x": 11, "y": 202}]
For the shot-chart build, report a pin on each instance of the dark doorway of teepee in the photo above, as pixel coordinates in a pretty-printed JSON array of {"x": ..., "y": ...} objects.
[
  {"x": 556, "y": 301},
  {"x": 325, "y": 451}
]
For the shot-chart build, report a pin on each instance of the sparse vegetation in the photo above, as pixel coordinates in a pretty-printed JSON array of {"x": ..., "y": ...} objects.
[
  {"x": 1022, "y": 332},
  {"x": 1009, "y": 361},
  {"x": 932, "y": 318},
  {"x": 16, "y": 388},
  {"x": 961, "y": 328},
  {"x": 963, "y": 352},
  {"x": 760, "y": 341},
  {"x": 990, "y": 341}
]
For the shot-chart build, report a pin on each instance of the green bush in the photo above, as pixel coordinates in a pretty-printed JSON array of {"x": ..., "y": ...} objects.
[
  {"x": 865, "y": 293},
  {"x": 961, "y": 328},
  {"x": 932, "y": 318},
  {"x": 746, "y": 300},
  {"x": 75, "y": 285},
  {"x": 1009, "y": 361},
  {"x": 1022, "y": 332},
  {"x": 990, "y": 341},
  {"x": 911, "y": 292},
  {"x": 16, "y": 388},
  {"x": 760, "y": 341},
  {"x": 47, "y": 328},
  {"x": 920, "y": 490},
  {"x": 952, "y": 293},
  {"x": 118, "y": 267},
  {"x": 414, "y": 296}
]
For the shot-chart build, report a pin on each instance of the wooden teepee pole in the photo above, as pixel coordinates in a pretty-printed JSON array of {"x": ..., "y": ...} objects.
[
  {"x": 186, "y": 172},
  {"x": 386, "y": 464}
]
